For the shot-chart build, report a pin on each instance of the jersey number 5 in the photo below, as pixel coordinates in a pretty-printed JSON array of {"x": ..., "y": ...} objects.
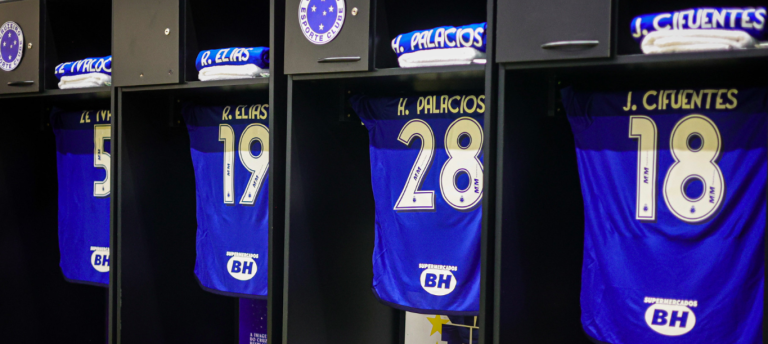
[
  {"x": 691, "y": 164},
  {"x": 257, "y": 165},
  {"x": 101, "y": 159}
]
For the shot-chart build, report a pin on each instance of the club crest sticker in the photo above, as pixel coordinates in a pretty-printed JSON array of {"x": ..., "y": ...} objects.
[
  {"x": 11, "y": 46},
  {"x": 321, "y": 20}
]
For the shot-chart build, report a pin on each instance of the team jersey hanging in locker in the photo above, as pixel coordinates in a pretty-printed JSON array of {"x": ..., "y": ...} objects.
[
  {"x": 674, "y": 187},
  {"x": 230, "y": 154},
  {"x": 83, "y": 167},
  {"x": 427, "y": 176}
]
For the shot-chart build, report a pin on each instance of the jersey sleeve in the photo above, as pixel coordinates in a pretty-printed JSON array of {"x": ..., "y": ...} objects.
[
  {"x": 364, "y": 109},
  {"x": 576, "y": 104}
]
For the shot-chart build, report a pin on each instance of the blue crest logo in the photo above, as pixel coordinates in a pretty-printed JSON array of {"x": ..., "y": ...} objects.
[
  {"x": 321, "y": 20},
  {"x": 11, "y": 46}
]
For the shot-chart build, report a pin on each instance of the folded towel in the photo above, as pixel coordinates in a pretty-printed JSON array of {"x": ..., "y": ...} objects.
[
  {"x": 442, "y": 46},
  {"x": 85, "y": 80},
  {"x": 440, "y": 57},
  {"x": 748, "y": 19},
  {"x": 101, "y": 65},
  {"x": 233, "y": 57},
  {"x": 672, "y": 41},
  {"x": 249, "y": 71}
]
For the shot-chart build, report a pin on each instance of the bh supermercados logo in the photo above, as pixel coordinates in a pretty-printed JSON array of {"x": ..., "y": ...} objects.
[
  {"x": 100, "y": 258},
  {"x": 321, "y": 20},
  {"x": 670, "y": 317},
  {"x": 438, "y": 280},
  {"x": 242, "y": 266},
  {"x": 11, "y": 46}
]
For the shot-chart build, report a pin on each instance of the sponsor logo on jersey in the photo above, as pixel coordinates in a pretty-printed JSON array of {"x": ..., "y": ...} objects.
[
  {"x": 242, "y": 266},
  {"x": 100, "y": 258},
  {"x": 321, "y": 20},
  {"x": 11, "y": 46},
  {"x": 670, "y": 317},
  {"x": 438, "y": 279}
]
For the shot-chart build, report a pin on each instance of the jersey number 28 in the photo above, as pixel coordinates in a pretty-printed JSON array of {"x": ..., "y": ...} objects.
[{"x": 461, "y": 160}]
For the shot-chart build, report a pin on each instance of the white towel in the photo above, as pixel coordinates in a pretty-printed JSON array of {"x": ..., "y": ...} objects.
[
  {"x": 440, "y": 57},
  {"x": 85, "y": 80},
  {"x": 249, "y": 71},
  {"x": 673, "y": 41}
]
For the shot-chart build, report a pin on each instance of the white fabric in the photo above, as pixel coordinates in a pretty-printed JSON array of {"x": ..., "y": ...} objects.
[
  {"x": 673, "y": 41},
  {"x": 85, "y": 80},
  {"x": 440, "y": 57},
  {"x": 249, "y": 71}
]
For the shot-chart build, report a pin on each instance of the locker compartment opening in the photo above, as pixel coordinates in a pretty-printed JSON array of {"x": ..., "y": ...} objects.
[
  {"x": 397, "y": 17},
  {"x": 161, "y": 297},
  {"x": 216, "y": 25},
  {"x": 331, "y": 218},
  {"x": 539, "y": 268},
  {"x": 630, "y": 9},
  {"x": 39, "y": 297},
  {"x": 70, "y": 37}
]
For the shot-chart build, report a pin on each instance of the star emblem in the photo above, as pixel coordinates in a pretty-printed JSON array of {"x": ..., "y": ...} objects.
[
  {"x": 437, "y": 324},
  {"x": 3, "y": 43},
  {"x": 9, "y": 35},
  {"x": 330, "y": 9},
  {"x": 314, "y": 8},
  {"x": 324, "y": 13},
  {"x": 321, "y": 26}
]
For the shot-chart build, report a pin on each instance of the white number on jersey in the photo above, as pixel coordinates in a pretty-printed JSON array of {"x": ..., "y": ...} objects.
[
  {"x": 461, "y": 160},
  {"x": 257, "y": 165},
  {"x": 691, "y": 164},
  {"x": 101, "y": 159}
]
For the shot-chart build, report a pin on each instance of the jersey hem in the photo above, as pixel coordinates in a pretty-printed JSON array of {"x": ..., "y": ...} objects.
[
  {"x": 594, "y": 340},
  {"x": 230, "y": 294},
  {"x": 423, "y": 311},
  {"x": 95, "y": 284}
]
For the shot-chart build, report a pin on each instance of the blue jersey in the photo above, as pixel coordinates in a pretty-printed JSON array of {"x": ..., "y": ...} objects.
[
  {"x": 83, "y": 168},
  {"x": 230, "y": 153},
  {"x": 674, "y": 187},
  {"x": 427, "y": 176}
]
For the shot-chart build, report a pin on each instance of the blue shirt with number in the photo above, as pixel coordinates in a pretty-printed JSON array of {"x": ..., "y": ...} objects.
[
  {"x": 230, "y": 154},
  {"x": 83, "y": 168},
  {"x": 427, "y": 177},
  {"x": 674, "y": 187}
]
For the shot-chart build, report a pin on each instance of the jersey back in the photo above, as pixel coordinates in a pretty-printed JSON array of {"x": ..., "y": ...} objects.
[
  {"x": 427, "y": 177},
  {"x": 230, "y": 154},
  {"x": 83, "y": 168},
  {"x": 674, "y": 187}
]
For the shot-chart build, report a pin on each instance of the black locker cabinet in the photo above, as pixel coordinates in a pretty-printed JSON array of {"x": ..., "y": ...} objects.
[
  {"x": 539, "y": 30},
  {"x": 351, "y": 48},
  {"x": 147, "y": 42},
  {"x": 25, "y": 74}
]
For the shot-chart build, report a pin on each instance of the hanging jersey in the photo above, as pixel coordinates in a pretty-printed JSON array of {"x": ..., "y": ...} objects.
[
  {"x": 427, "y": 177},
  {"x": 230, "y": 154},
  {"x": 83, "y": 167},
  {"x": 674, "y": 187}
]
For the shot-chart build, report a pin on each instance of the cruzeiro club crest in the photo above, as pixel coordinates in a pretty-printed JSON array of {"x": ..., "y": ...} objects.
[
  {"x": 321, "y": 20},
  {"x": 11, "y": 46}
]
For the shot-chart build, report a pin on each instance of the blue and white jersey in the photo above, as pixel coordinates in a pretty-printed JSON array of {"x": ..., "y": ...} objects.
[
  {"x": 230, "y": 153},
  {"x": 427, "y": 175},
  {"x": 748, "y": 19},
  {"x": 83, "y": 166},
  {"x": 674, "y": 187}
]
